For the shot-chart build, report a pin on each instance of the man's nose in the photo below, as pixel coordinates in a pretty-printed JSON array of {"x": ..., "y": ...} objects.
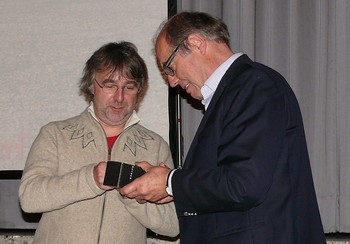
[
  {"x": 173, "y": 80},
  {"x": 119, "y": 94}
]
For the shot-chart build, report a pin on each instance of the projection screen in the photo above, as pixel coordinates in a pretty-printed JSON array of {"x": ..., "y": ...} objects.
[{"x": 44, "y": 46}]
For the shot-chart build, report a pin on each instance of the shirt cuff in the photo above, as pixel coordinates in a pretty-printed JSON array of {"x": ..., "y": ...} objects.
[{"x": 169, "y": 188}]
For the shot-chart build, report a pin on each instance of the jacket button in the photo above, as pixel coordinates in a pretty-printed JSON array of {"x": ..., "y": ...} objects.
[{"x": 186, "y": 213}]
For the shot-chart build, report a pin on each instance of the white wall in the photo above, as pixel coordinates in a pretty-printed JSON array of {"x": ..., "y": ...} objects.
[{"x": 44, "y": 45}]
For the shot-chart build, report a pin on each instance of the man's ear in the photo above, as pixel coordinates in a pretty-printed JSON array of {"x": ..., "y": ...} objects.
[
  {"x": 91, "y": 88},
  {"x": 197, "y": 42}
]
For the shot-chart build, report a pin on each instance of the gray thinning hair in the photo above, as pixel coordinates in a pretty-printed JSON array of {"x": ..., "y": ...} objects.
[{"x": 181, "y": 25}]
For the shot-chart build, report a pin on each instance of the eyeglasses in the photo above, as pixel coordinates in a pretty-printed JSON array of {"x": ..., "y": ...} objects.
[
  {"x": 166, "y": 68},
  {"x": 111, "y": 87}
]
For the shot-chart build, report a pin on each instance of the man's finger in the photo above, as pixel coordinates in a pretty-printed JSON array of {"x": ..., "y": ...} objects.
[{"x": 144, "y": 165}]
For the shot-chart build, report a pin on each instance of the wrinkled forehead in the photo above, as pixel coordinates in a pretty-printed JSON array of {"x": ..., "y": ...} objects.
[{"x": 162, "y": 49}]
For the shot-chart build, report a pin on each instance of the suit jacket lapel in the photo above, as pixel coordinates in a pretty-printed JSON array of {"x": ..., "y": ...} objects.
[{"x": 237, "y": 67}]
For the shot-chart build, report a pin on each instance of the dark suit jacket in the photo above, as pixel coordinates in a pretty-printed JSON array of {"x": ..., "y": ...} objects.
[{"x": 247, "y": 177}]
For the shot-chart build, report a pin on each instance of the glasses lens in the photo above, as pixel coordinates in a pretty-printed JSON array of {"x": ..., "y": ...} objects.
[
  {"x": 168, "y": 70},
  {"x": 125, "y": 89},
  {"x": 130, "y": 89},
  {"x": 111, "y": 88}
]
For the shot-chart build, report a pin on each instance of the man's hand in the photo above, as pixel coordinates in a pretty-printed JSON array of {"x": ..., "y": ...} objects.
[
  {"x": 99, "y": 175},
  {"x": 165, "y": 200},
  {"x": 149, "y": 187}
]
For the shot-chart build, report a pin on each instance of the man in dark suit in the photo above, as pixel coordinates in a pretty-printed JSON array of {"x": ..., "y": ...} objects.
[{"x": 247, "y": 176}]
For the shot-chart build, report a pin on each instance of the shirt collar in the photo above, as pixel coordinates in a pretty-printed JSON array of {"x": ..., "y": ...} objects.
[{"x": 214, "y": 79}]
